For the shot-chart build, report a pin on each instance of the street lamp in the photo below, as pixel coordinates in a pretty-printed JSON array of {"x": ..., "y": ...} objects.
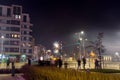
[
  {"x": 56, "y": 45},
  {"x": 82, "y": 39},
  {"x": 2, "y": 50},
  {"x": 82, "y": 32}
]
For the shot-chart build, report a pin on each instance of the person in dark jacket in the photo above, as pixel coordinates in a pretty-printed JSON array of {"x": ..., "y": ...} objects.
[
  {"x": 8, "y": 62},
  {"x": 84, "y": 62},
  {"x": 60, "y": 62},
  {"x": 79, "y": 63},
  {"x": 96, "y": 64},
  {"x": 29, "y": 61}
]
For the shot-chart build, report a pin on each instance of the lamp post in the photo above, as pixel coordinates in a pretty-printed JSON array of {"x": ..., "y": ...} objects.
[
  {"x": 2, "y": 49},
  {"x": 82, "y": 39}
]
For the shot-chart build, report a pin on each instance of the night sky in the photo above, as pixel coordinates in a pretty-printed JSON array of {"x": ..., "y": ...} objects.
[{"x": 59, "y": 20}]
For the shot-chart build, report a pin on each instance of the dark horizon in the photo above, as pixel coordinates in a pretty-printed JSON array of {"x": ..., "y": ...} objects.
[{"x": 59, "y": 20}]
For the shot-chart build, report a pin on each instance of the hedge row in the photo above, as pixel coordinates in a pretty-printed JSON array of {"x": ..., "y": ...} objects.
[{"x": 8, "y": 71}]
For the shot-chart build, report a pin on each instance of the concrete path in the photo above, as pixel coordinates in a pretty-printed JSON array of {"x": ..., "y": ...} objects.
[{"x": 9, "y": 77}]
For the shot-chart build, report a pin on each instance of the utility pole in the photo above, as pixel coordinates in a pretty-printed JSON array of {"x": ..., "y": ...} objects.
[{"x": 82, "y": 39}]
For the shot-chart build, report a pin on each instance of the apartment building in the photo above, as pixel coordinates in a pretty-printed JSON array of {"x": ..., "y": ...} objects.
[{"x": 15, "y": 32}]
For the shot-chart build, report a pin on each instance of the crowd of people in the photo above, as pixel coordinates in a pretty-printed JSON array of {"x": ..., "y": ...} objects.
[
  {"x": 79, "y": 63},
  {"x": 83, "y": 61},
  {"x": 59, "y": 63}
]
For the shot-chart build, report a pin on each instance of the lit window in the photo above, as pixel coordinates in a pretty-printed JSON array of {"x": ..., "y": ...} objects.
[
  {"x": 12, "y": 35},
  {"x": 18, "y": 35},
  {"x": 29, "y": 44},
  {"x": 15, "y": 35},
  {"x": 16, "y": 16},
  {"x": 19, "y": 17}
]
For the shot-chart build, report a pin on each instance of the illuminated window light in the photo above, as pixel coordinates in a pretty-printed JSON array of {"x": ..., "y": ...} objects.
[
  {"x": 18, "y": 35},
  {"x": 19, "y": 17},
  {"x": 12, "y": 35},
  {"x": 15, "y": 35},
  {"x": 16, "y": 16}
]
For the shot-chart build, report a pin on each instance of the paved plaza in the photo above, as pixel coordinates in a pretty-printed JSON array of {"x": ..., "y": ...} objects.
[
  {"x": 17, "y": 65},
  {"x": 9, "y": 77},
  {"x": 73, "y": 64}
]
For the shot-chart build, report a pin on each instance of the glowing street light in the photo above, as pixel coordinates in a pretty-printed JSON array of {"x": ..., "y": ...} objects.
[
  {"x": 56, "y": 45},
  {"x": 116, "y": 53},
  {"x": 82, "y": 38},
  {"x": 82, "y": 32}
]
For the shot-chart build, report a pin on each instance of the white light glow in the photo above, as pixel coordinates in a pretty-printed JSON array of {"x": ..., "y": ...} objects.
[
  {"x": 82, "y": 32},
  {"x": 56, "y": 51},
  {"x": 41, "y": 58},
  {"x": 2, "y": 37},
  {"x": 56, "y": 45},
  {"x": 80, "y": 39},
  {"x": 116, "y": 53}
]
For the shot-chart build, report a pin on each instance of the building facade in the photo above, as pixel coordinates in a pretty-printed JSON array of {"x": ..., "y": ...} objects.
[
  {"x": 15, "y": 31},
  {"x": 39, "y": 50}
]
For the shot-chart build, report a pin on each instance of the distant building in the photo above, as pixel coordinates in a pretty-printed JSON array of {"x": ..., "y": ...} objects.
[
  {"x": 39, "y": 50},
  {"x": 15, "y": 27},
  {"x": 107, "y": 58}
]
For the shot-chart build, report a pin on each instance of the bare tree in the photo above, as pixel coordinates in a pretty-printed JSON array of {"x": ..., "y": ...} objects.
[{"x": 97, "y": 46}]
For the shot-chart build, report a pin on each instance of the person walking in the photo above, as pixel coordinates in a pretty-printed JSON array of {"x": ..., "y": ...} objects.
[
  {"x": 84, "y": 62},
  {"x": 79, "y": 63},
  {"x": 7, "y": 63},
  {"x": 60, "y": 62},
  {"x": 13, "y": 69},
  {"x": 96, "y": 64},
  {"x": 29, "y": 61}
]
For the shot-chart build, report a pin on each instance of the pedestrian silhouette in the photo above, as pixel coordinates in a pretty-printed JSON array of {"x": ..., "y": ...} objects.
[
  {"x": 96, "y": 64},
  {"x": 60, "y": 62},
  {"x": 56, "y": 62},
  {"x": 79, "y": 63},
  {"x": 84, "y": 62},
  {"x": 29, "y": 61},
  {"x": 13, "y": 69},
  {"x": 8, "y": 62}
]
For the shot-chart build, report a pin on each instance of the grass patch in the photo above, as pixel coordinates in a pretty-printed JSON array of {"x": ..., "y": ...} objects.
[{"x": 53, "y": 73}]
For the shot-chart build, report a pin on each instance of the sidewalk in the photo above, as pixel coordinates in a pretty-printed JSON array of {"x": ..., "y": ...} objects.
[
  {"x": 9, "y": 77},
  {"x": 17, "y": 65}
]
